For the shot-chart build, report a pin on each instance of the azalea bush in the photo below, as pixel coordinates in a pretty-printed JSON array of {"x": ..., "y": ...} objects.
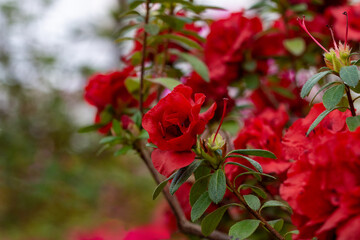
[{"x": 248, "y": 125}]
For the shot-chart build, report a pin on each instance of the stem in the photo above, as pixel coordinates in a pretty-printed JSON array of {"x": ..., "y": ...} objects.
[
  {"x": 351, "y": 102},
  {"x": 184, "y": 225},
  {"x": 275, "y": 234},
  {"x": 143, "y": 56}
]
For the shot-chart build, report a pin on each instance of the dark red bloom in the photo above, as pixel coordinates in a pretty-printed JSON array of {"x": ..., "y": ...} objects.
[
  {"x": 109, "y": 89},
  {"x": 323, "y": 183},
  {"x": 226, "y": 44},
  {"x": 173, "y": 124}
]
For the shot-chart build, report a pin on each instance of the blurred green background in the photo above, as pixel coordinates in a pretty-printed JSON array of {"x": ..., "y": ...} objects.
[{"x": 52, "y": 179}]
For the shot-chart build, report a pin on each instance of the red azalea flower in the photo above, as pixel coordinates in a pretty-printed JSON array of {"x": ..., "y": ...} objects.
[
  {"x": 323, "y": 183},
  {"x": 226, "y": 43},
  {"x": 172, "y": 125}
]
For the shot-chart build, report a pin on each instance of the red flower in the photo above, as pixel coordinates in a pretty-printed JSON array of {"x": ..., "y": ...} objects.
[
  {"x": 265, "y": 132},
  {"x": 323, "y": 184},
  {"x": 339, "y": 21},
  {"x": 226, "y": 43},
  {"x": 109, "y": 89},
  {"x": 173, "y": 124}
]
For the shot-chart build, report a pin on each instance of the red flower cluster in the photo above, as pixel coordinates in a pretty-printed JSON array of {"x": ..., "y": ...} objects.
[
  {"x": 323, "y": 184},
  {"x": 172, "y": 125}
]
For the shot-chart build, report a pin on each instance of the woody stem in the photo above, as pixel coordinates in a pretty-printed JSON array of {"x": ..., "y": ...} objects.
[
  {"x": 351, "y": 102},
  {"x": 143, "y": 57},
  {"x": 273, "y": 232}
]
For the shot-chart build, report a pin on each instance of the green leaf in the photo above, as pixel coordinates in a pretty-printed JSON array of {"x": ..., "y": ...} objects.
[
  {"x": 136, "y": 3},
  {"x": 211, "y": 221},
  {"x": 246, "y": 168},
  {"x": 109, "y": 139},
  {"x": 196, "y": 63},
  {"x": 117, "y": 127},
  {"x": 255, "y": 164},
  {"x": 243, "y": 229},
  {"x": 151, "y": 145},
  {"x": 355, "y": 62},
  {"x": 91, "y": 128},
  {"x": 311, "y": 83},
  {"x": 143, "y": 134},
  {"x": 169, "y": 83},
  {"x": 217, "y": 186},
  {"x": 353, "y": 123},
  {"x": 254, "y": 152},
  {"x": 181, "y": 40},
  {"x": 182, "y": 175},
  {"x": 284, "y": 92},
  {"x": 275, "y": 203},
  {"x": 295, "y": 46},
  {"x": 122, "y": 39},
  {"x": 255, "y": 189},
  {"x": 122, "y": 151},
  {"x": 161, "y": 186},
  {"x": 253, "y": 201},
  {"x": 299, "y": 7},
  {"x": 175, "y": 22},
  {"x": 137, "y": 118},
  {"x": 288, "y": 235},
  {"x": 252, "y": 81},
  {"x": 322, "y": 88},
  {"x": 152, "y": 29},
  {"x": 199, "y": 187},
  {"x": 200, "y": 206},
  {"x": 201, "y": 172},
  {"x": 333, "y": 96},
  {"x": 318, "y": 120},
  {"x": 277, "y": 224},
  {"x": 350, "y": 75},
  {"x": 132, "y": 84}
]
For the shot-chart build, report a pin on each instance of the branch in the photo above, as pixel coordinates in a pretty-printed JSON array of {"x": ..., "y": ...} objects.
[
  {"x": 275, "y": 234},
  {"x": 184, "y": 225},
  {"x": 143, "y": 57}
]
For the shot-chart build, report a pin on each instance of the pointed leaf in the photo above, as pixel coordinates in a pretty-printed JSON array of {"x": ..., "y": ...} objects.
[
  {"x": 169, "y": 83},
  {"x": 277, "y": 224},
  {"x": 123, "y": 150},
  {"x": 199, "y": 187},
  {"x": 318, "y": 120},
  {"x": 200, "y": 206},
  {"x": 275, "y": 203},
  {"x": 152, "y": 29},
  {"x": 322, "y": 88},
  {"x": 350, "y": 75},
  {"x": 295, "y": 46},
  {"x": 243, "y": 229},
  {"x": 211, "y": 221},
  {"x": 311, "y": 83},
  {"x": 161, "y": 186},
  {"x": 198, "y": 65},
  {"x": 253, "y": 201},
  {"x": 217, "y": 186},
  {"x": 254, "y": 152},
  {"x": 333, "y": 96},
  {"x": 353, "y": 123},
  {"x": 182, "y": 175},
  {"x": 255, "y": 164}
]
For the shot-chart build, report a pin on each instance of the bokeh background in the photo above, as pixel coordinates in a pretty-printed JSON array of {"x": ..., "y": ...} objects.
[{"x": 54, "y": 180}]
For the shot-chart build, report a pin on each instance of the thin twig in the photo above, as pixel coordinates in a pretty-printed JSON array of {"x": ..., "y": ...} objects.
[
  {"x": 274, "y": 233},
  {"x": 143, "y": 57},
  {"x": 351, "y": 102},
  {"x": 183, "y": 224}
]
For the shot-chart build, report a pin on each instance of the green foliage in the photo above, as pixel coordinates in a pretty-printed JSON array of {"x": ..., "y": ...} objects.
[
  {"x": 255, "y": 189},
  {"x": 161, "y": 186},
  {"x": 211, "y": 221},
  {"x": 288, "y": 235},
  {"x": 255, "y": 164},
  {"x": 91, "y": 128},
  {"x": 182, "y": 175},
  {"x": 252, "y": 201},
  {"x": 295, "y": 46},
  {"x": 275, "y": 203},
  {"x": 196, "y": 63},
  {"x": 350, "y": 75},
  {"x": 199, "y": 187},
  {"x": 152, "y": 29},
  {"x": 185, "y": 42},
  {"x": 254, "y": 152},
  {"x": 353, "y": 122},
  {"x": 322, "y": 88},
  {"x": 252, "y": 81},
  {"x": 217, "y": 186},
  {"x": 311, "y": 82},
  {"x": 318, "y": 120},
  {"x": 333, "y": 96},
  {"x": 277, "y": 224},
  {"x": 169, "y": 83},
  {"x": 200, "y": 206},
  {"x": 244, "y": 229}
]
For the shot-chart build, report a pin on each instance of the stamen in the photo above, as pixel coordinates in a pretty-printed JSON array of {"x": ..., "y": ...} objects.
[
  {"x": 303, "y": 26},
  {"x": 347, "y": 27},
  {"x": 333, "y": 38},
  {"x": 222, "y": 118}
]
